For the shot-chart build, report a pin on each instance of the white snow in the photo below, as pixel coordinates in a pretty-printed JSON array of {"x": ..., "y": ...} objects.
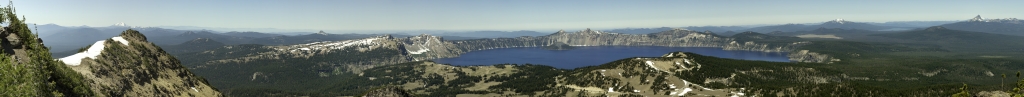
[
  {"x": 651, "y": 64},
  {"x": 685, "y": 91},
  {"x": 119, "y": 24},
  {"x": 636, "y": 91},
  {"x": 119, "y": 39},
  {"x": 333, "y": 45},
  {"x": 194, "y": 89},
  {"x": 92, "y": 52},
  {"x": 687, "y": 61},
  {"x": 421, "y": 51}
]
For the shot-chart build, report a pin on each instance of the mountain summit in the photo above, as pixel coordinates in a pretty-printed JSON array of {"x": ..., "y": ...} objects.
[
  {"x": 129, "y": 65},
  {"x": 1008, "y": 26},
  {"x": 839, "y": 21},
  {"x": 977, "y": 19},
  {"x": 321, "y": 32}
]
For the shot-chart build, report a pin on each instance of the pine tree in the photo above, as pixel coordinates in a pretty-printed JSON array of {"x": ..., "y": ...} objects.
[{"x": 41, "y": 76}]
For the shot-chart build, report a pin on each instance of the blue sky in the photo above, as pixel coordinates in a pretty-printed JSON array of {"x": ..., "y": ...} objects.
[{"x": 495, "y": 14}]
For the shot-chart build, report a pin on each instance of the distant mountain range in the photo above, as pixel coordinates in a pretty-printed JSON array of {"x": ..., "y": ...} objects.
[
  {"x": 960, "y": 40},
  {"x": 1008, "y": 26},
  {"x": 838, "y": 23}
]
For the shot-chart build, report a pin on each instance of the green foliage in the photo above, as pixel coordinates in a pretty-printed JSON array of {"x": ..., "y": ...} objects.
[
  {"x": 40, "y": 75},
  {"x": 17, "y": 80},
  {"x": 963, "y": 92},
  {"x": 539, "y": 78},
  {"x": 1018, "y": 91}
]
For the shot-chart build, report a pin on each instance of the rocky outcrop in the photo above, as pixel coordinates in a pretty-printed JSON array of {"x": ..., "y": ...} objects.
[
  {"x": 811, "y": 57},
  {"x": 129, "y": 65}
]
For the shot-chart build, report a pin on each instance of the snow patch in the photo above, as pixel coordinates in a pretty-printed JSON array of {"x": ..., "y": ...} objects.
[
  {"x": 651, "y": 64},
  {"x": 421, "y": 51},
  {"x": 92, "y": 52},
  {"x": 194, "y": 89},
  {"x": 685, "y": 91},
  {"x": 687, "y": 61},
  {"x": 333, "y": 45},
  {"x": 119, "y": 39}
]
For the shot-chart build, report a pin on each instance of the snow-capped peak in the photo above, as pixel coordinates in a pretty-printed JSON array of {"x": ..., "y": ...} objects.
[
  {"x": 120, "y": 24},
  {"x": 321, "y": 32},
  {"x": 977, "y": 19},
  {"x": 840, "y": 21}
]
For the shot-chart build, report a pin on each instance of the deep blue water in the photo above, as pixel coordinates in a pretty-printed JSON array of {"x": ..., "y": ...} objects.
[{"x": 593, "y": 55}]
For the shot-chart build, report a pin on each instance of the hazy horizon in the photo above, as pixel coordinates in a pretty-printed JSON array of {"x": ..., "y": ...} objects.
[{"x": 493, "y": 15}]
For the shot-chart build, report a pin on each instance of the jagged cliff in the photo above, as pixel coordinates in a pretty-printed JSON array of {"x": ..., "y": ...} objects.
[{"x": 128, "y": 65}]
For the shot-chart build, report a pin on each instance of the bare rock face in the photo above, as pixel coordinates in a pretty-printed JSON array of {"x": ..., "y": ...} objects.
[{"x": 128, "y": 65}]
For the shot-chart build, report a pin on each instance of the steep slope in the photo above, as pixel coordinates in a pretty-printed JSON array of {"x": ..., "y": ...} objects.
[
  {"x": 128, "y": 65},
  {"x": 1008, "y": 26}
]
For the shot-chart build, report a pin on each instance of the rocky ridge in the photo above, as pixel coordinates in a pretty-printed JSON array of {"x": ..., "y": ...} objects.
[{"x": 128, "y": 65}]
